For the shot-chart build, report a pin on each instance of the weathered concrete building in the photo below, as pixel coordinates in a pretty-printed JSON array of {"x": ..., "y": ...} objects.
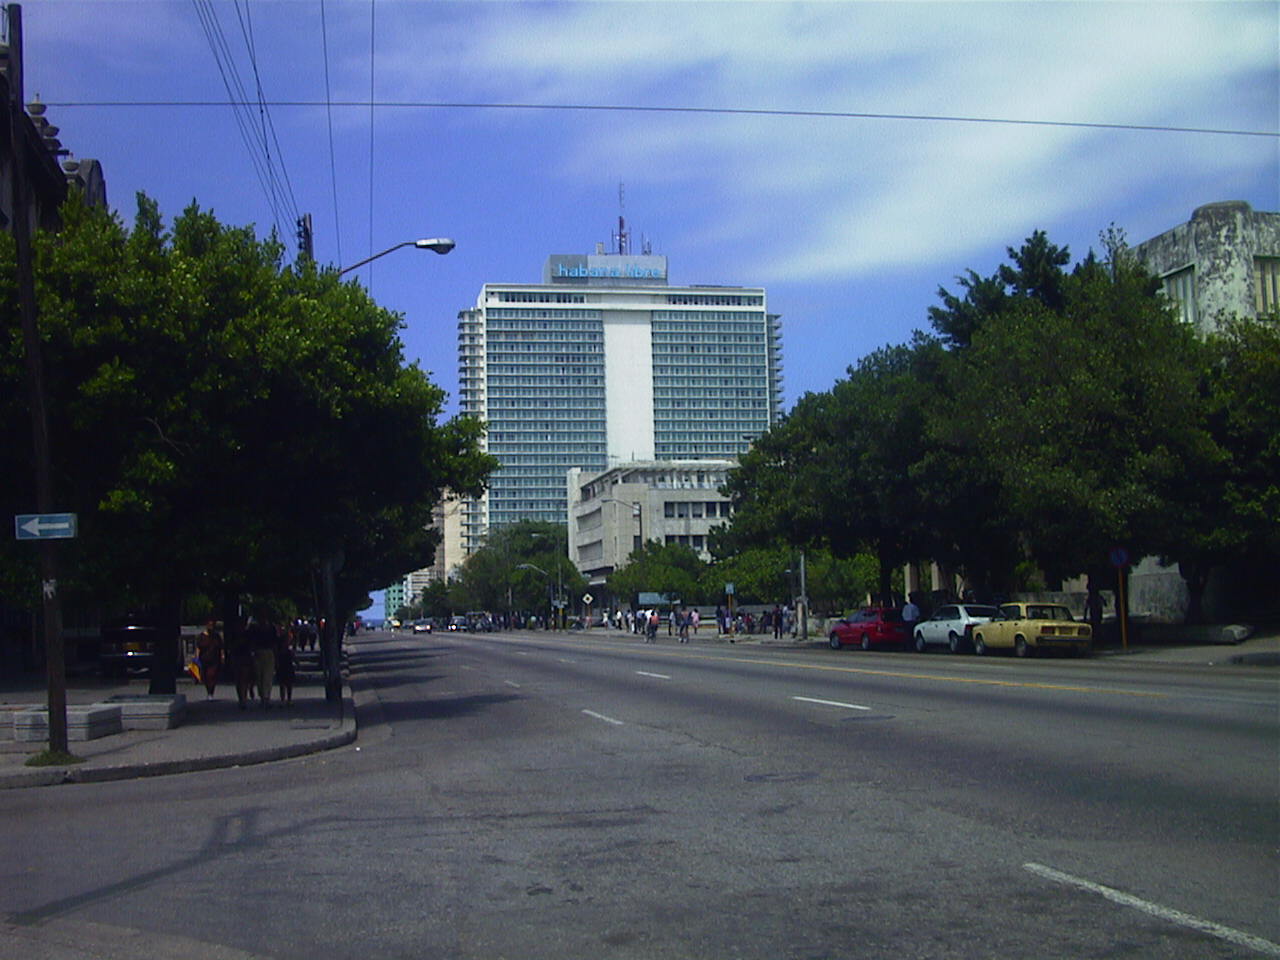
[
  {"x": 1225, "y": 261},
  {"x": 614, "y": 512}
]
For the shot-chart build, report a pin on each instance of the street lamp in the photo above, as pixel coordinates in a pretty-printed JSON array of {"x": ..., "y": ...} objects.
[
  {"x": 637, "y": 512},
  {"x": 440, "y": 245},
  {"x": 559, "y": 582}
]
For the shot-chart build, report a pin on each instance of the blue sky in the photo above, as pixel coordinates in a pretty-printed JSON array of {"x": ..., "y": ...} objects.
[{"x": 851, "y": 223}]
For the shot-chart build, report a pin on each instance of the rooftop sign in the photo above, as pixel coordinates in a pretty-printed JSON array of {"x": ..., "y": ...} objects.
[{"x": 612, "y": 270}]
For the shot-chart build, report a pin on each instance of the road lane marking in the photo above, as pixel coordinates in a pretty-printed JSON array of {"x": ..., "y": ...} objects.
[
  {"x": 601, "y": 716},
  {"x": 621, "y": 647},
  {"x": 1231, "y": 935},
  {"x": 511, "y": 683},
  {"x": 832, "y": 703},
  {"x": 563, "y": 660},
  {"x": 657, "y": 676}
]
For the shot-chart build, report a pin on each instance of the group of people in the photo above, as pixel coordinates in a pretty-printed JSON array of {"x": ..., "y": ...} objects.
[{"x": 260, "y": 655}]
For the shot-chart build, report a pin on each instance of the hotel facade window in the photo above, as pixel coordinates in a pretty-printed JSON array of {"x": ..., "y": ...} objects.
[{"x": 605, "y": 363}]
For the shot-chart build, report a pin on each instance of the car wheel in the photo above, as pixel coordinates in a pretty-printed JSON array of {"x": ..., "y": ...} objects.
[
  {"x": 834, "y": 639},
  {"x": 953, "y": 641},
  {"x": 979, "y": 645},
  {"x": 920, "y": 644},
  {"x": 1020, "y": 648},
  {"x": 866, "y": 641}
]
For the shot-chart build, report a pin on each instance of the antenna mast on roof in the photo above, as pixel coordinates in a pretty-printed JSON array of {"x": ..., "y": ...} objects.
[{"x": 622, "y": 238}]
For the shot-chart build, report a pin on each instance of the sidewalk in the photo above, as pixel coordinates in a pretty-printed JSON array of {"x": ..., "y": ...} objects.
[
  {"x": 1186, "y": 646},
  {"x": 214, "y": 733}
]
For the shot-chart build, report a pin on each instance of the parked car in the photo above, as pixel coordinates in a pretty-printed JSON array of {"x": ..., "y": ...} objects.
[
  {"x": 869, "y": 627},
  {"x": 1027, "y": 627},
  {"x": 952, "y": 626},
  {"x": 422, "y": 626}
]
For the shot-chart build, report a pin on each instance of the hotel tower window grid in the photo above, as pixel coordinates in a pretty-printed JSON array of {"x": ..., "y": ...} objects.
[
  {"x": 545, "y": 411},
  {"x": 534, "y": 359}
]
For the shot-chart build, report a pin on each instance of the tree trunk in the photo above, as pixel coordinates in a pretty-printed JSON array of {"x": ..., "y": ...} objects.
[
  {"x": 1196, "y": 576},
  {"x": 167, "y": 651}
]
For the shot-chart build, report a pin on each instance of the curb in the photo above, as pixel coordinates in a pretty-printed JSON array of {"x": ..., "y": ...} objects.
[{"x": 52, "y": 776}]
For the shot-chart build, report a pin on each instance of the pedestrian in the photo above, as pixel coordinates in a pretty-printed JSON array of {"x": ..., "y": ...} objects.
[
  {"x": 241, "y": 660},
  {"x": 777, "y": 622},
  {"x": 209, "y": 655},
  {"x": 285, "y": 673},
  {"x": 695, "y": 618},
  {"x": 910, "y": 614},
  {"x": 653, "y": 626},
  {"x": 262, "y": 641},
  {"x": 684, "y": 626}
]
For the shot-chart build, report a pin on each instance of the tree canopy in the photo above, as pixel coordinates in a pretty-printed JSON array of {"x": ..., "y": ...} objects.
[{"x": 221, "y": 420}]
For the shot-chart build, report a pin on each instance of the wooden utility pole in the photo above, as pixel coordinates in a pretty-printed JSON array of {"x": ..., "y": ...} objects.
[{"x": 21, "y": 228}]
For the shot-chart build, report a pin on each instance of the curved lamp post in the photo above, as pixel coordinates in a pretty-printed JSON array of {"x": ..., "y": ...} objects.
[
  {"x": 440, "y": 245},
  {"x": 534, "y": 566}
]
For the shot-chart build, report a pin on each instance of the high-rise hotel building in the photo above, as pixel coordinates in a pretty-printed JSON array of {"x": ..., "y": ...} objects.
[{"x": 605, "y": 362}]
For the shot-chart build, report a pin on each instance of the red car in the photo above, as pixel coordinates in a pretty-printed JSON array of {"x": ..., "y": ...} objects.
[{"x": 870, "y": 627}]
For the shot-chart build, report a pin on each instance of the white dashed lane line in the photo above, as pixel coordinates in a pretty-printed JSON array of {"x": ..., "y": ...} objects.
[
  {"x": 601, "y": 716},
  {"x": 511, "y": 683},
  {"x": 1229, "y": 934},
  {"x": 832, "y": 703},
  {"x": 656, "y": 676}
]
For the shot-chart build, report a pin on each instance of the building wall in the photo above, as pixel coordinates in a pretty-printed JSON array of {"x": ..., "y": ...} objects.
[
  {"x": 669, "y": 501},
  {"x": 1224, "y": 261},
  {"x": 602, "y": 363}
]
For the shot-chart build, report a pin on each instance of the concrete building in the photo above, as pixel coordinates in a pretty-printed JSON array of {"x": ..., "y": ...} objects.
[
  {"x": 447, "y": 518},
  {"x": 602, "y": 363},
  {"x": 1225, "y": 261},
  {"x": 613, "y": 512}
]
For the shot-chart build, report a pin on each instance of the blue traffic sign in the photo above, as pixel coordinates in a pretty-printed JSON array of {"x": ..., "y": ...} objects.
[{"x": 44, "y": 526}]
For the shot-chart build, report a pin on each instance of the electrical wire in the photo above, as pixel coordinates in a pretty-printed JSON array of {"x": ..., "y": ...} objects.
[
  {"x": 328, "y": 109},
  {"x": 723, "y": 111},
  {"x": 275, "y": 186}
]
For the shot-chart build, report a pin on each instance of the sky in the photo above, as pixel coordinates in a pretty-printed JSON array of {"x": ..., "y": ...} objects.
[{"x": 850, "y": 157}]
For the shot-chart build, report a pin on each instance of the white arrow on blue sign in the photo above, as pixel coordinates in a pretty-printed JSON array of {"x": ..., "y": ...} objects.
[{"x": 44, "y": 526}]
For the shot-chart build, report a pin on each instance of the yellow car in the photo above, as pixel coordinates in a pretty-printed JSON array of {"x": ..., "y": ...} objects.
[{"x": 1026, "y": 627}]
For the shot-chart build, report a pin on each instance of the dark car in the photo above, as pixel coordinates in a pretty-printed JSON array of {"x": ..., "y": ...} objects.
[{"x": 870, "y": 627}]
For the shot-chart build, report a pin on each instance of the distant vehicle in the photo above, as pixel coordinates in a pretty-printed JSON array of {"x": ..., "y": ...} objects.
[
  {"x": 422, "y": 626},
  {"x": 869, "y": 627},
  {"x": 457, "y": 624},
  {"x": 393, "y": 624},
  {"x": 1027, "y": 627},
  {"x": 952, "y": 625}
]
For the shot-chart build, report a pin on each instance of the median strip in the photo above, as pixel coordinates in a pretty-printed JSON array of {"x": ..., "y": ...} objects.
[{"x": 1231, "y": 935}]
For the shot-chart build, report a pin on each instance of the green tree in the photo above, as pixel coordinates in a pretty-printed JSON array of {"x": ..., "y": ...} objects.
[
  {"x": 214, "y": 411},
  {"x": 673, "y": 569},
  {"x": 1231, "y": 515},
  {"x": 518, "y": 570},
  {"x": 1087, "y": 415},
  {"x": 836, "y": 473}
]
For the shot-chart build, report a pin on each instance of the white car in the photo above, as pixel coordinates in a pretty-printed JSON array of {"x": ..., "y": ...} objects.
[{"x": 951, "y": 626}]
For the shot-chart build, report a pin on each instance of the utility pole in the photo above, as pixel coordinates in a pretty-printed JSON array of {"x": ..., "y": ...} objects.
[
  {"x": 21, "y": 227},
  {"x": 306, "y": 247}
]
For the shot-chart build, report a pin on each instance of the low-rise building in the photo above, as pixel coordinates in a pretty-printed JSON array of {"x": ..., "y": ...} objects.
[
  {"x": 614, "y": 512},
  {"x": 1224, "y": 261}
]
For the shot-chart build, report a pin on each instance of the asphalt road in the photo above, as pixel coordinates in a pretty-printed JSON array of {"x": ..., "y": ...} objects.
[{"x": 566, "y": 797}]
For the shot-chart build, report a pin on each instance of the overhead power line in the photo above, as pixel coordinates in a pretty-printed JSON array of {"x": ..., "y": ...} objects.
[
  {"x": 275, "y": 185},
  {"x": 722, "y": 111}
]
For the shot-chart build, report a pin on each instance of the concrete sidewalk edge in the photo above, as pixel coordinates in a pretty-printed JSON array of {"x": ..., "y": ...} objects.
[{"x": 78, "y": 773}]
